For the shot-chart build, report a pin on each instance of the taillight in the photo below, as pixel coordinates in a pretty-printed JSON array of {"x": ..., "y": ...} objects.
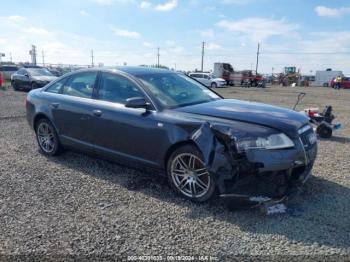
[{"x": 1, "y": 79}]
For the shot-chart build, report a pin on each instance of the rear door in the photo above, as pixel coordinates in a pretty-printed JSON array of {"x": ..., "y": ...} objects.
[
  {"x": 72, "y": 110},
  {"x": 200, "y": 78},
  {"x": 206, "y": 80}
]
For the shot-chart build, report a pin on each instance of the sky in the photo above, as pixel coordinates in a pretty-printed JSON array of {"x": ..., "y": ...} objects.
[{"x": 311, "y": 35}]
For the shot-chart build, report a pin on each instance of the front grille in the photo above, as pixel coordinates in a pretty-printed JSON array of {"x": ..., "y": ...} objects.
[
  {"x": 308, "y": 137},
  {"x": 309, "y": 141}
]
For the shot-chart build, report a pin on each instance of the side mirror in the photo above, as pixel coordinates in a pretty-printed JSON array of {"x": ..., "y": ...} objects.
[
  {"x": 26, "y": 75},
  {"x": 137, "y": 102}
]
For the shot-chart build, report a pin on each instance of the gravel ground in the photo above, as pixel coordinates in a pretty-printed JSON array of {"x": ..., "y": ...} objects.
[{"x": 80, "y": 206}]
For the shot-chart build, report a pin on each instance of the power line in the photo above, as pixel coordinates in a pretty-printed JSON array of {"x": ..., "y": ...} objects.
[{"x": 306, "y": 53}]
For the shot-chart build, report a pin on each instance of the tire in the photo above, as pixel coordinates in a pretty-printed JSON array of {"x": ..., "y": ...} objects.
[
  {"x": 33, "y": 86},
  {"x": 47, "y": 138},
  {"x": 213, "y": 85},
  {"x": 324, "y": 131},
  {"x": 188, "y": 176},
  {"x": 14, "y": 85}
]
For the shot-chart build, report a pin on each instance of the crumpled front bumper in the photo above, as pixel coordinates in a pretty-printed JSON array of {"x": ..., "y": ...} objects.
[{"x": 259, "y": 176}]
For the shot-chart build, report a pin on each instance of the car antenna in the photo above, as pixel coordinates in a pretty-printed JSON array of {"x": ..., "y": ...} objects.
[{"x": 300, "y": 97}]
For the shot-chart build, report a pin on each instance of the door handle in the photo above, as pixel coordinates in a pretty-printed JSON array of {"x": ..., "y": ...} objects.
[
  {"x": 97, "y": 112},
  {"x": 55, "y": 105}
]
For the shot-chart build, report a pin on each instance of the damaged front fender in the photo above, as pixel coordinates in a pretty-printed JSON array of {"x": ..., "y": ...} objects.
[{"x": 273, "y": 174}]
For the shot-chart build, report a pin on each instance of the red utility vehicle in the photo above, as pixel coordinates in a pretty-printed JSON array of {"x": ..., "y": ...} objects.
[{"x": 345, "y": 82}]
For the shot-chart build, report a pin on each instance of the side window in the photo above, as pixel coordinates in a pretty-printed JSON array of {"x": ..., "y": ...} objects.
[
  {"x": 21, "y": 72},
  {"x": 80, "y": 85},
  {"x": 56, "y": 87},
  {"x": 116, "y": 88},
  {"x": 206, "y": 76}
]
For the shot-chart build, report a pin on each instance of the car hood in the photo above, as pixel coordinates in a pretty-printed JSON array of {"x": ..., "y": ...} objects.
[
  {"x": 45, "y": 78},
  {"x": 285, "y": 120}
]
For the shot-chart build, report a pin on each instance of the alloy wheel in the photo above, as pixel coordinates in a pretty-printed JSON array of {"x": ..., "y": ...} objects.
[
  {"x": 190, "y": 175},
  {"x": 46, "y": 137}
]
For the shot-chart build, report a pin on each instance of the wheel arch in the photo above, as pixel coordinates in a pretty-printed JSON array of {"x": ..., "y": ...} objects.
[
  {"x": 39, "y": 116},
  {"x": 174, "y": 147}
]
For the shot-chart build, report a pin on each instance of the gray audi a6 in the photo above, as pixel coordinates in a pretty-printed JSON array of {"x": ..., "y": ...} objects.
[{"x": 167, "y": 123}]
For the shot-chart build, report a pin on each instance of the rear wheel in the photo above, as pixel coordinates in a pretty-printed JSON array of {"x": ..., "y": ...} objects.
[
  {"x": 188, "y": 175},
  {"x": 324, "y": 131},
  {"x": 47, "y": 138},
  {"x": 33, "y": 86}
]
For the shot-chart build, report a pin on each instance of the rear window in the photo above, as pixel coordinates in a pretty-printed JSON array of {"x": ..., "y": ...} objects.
[{"x": 196, "y": 75}]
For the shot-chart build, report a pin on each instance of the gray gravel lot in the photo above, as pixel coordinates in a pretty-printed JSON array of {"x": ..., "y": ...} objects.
[{"x": 76, "y": 205}]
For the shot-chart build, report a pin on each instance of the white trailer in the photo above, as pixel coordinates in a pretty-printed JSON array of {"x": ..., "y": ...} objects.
[{"x": 323, "y": 78}]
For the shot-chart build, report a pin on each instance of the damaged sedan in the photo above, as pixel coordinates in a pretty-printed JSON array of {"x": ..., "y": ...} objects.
[{"x": 165, "y": 121}]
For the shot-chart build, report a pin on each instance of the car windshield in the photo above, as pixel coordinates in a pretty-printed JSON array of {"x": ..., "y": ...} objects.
[
  {"x": 39, "y": 72},
  {"x": 176, "y": 90}
]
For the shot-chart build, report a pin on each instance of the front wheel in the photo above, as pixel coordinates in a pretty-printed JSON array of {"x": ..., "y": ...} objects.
[
  {"x": 188, "y": 175},
  {"x": 15, "y": 86},
  {"x": 47, "y": 138}
]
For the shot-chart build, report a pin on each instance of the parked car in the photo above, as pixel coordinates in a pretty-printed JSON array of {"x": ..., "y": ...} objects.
[
  {"x": 208, "y": 79},
  {"x": 31, "y": 78},
  {"x": 55, "y": 72},
  {"x": 345, "y": 83},
  {"x": 7, "y": 71},
  {"x": 160, "y": 120}
]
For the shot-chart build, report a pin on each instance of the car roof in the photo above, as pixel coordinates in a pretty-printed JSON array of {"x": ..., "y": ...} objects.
[
  {"x": 203, "y": 73},
  {"x": 139, "y": 70},
  {"x": 131, "y": 70}
]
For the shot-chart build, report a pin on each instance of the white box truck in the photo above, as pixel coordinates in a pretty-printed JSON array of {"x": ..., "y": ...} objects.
[
  {"x": 225, "y": 71},
  {"x": 323, "y": 78}
]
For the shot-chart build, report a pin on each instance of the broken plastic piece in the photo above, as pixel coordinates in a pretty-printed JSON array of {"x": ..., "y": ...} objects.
[{"x": 274, "y": 209}]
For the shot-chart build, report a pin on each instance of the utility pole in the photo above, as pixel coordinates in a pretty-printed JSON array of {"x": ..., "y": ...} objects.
[
  {"x": 43, "y": 57},
  {"x": 11, "y": 57},
  {"x": 203, "y": 44},
  {"x": 92, "y": 58},
  {"x": 33, "y": 55},
  {"x": 158, "y": 55},
  {"x": 257, "y": 59}
]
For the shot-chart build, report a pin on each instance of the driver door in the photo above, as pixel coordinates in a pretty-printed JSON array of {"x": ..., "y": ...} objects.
[{"x": 119, "y": 132}]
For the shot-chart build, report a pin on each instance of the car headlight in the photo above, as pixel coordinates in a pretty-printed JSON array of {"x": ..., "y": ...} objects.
[{"x": 275, "y": 141}]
